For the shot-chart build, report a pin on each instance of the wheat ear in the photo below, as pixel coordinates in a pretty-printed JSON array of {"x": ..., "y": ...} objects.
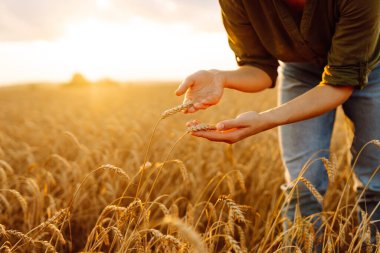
[
  {"x": 188, "y": 233},
  {"x": 21, "y": 200},
  {"x": 377, "y": 242},
  {"x": 376, "y": 143},
  {"x": 312, "y": 189},
  {"x": 232, "y": 244},
  {"x": 176, "y": 109},
  {"x": 330, "y": 168},
  {"x": 168, "y": 238},
  {"x": 201, "y": 127},
  {"x": 115, "y": 169},
  {"x": 235, "y": 210}
]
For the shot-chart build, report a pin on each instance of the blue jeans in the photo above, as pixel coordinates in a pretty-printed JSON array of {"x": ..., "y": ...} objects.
[{"x": 310, "y": 139}]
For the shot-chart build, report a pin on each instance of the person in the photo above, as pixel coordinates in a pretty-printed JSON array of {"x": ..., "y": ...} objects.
[{"x": 321, "y": 54}]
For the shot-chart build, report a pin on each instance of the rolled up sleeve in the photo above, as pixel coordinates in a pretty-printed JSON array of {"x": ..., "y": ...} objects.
[
  {"x": 355, "y": 48},
  {"x": 244, "y": 41}
]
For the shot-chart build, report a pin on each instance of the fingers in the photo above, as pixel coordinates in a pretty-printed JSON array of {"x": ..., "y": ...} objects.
[
  {"x": 228, "y": 137},
  {"x": 192, "y": 123},
  {"x": 229, "y": 124},
  {"x": 191, "y": 109},
  {"x": 195, "y": 107},
  {"x": 200, "y": 106},
  {"x": 187, "y": 83}
]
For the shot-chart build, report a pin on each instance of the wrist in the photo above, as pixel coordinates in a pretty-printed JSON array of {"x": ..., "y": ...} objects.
[
  {"x": 220, "y": 77},
  {"x": 271, "y": 118}
]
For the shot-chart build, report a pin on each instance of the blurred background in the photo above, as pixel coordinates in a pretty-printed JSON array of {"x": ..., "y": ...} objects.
[{"x": 44, "y": 41}]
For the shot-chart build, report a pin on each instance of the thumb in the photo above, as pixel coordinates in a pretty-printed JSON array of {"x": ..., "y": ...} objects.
[
  {"x": 182, "y": 88},
  {"x": 228, "y": 124}
]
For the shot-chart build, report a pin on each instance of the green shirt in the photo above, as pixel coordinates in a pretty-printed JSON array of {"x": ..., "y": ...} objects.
[{"x": 343, "y": 36}]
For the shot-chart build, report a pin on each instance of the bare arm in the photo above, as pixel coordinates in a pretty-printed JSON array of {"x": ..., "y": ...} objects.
[
  {"x": 247, "y": 79},
  {"x": 321, "y": 99},
  {"x": 205, "y": 87},
  {"x": 315, "y": 102}
]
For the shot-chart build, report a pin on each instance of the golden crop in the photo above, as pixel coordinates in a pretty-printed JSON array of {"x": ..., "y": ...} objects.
[{"x": 79, "y": 171}]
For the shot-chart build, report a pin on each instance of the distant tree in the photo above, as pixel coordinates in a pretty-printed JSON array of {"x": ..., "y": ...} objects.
[{"x": 78, "y": 80}]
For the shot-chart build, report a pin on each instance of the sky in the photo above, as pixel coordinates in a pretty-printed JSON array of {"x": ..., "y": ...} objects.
[{"x": 49, "y": 40}]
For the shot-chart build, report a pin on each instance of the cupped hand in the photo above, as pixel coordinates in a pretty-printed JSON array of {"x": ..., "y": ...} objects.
[
  {"x": 234, "y": 130},
  {"x": 204, "y": 88}
]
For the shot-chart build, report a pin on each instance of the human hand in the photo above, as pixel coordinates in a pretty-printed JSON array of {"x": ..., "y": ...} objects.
[
  {"x": 204, "y": 88},
  {"x": 234, "y": 130}
]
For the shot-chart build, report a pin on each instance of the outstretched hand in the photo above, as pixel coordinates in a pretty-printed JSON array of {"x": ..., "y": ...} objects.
[
  {"x": 234, "y": 130},
  {"x": 204, "y": 88}
]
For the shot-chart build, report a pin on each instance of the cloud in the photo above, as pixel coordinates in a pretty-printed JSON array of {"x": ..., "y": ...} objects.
[
  {"x": 22, "y": 20},
  {"x": 38, "y": 19}
]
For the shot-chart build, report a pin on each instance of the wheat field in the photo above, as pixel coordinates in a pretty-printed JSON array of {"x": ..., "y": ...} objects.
[{"x": 76, "y": 175}]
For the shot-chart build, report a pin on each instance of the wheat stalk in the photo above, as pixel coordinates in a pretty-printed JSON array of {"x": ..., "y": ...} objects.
[
  {"x": 368, "y": 245},
  {"x": 3, "y": 230},
  {"x": 117, "y": 233},
  {"x": 376, "y": 143},
  {"x": 201, "y": 127},
  {"x": 21, "y": 200},
  {"x": 330, "y": 168},
  {"x": 312, "y": 189},
  {"x": 232, "y": 244},
  {"x": 113, "y": 208},
  {"x": 377, "y": 242},
  {"x": 181, "y": 167},
  {"x": 169, "y": 238},
  {"x": 190, "y": 210},
  {"x": 115, "y": 169},
  {"x": 342, "y": 233},
  {"x": 132, "y": 206},
  {"x": 101, "y": 233},
  {"x": 28, "y": 240},
  {"x": 5, "y": 249},
  {"x": 240, "y": 180},
  {"x": 192, "y": 236},
  {"x": 309, "y": 243},
  {"x": 212, "y": 212},
  {"x": 174, "y": 211},
  {"x": 236, "y": 212},
  {"x": 6, "y": 166},
  {"x": 4, "y": 203},
  {"x": 3, "y": 176},
  {"x": 243, "y": 241},
  {"x": 57, "y": 218},
  {"x": 55, "y": 231},
  {"x": 176, "y": 109}
]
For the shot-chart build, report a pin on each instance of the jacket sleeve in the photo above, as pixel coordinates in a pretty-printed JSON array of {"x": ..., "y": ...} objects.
[
  {"x": 355, "y": 47},
  {"x": 244, "y": 41}
]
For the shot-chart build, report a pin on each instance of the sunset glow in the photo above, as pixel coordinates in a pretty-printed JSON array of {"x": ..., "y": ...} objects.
[{"x": 137, "y": 48}]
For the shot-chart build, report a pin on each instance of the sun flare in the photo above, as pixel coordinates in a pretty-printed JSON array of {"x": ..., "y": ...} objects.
[
  {"x": 103, "y": 4},
  {"x": 133, "y": 46},
  {"x": 141, "y": 49}
]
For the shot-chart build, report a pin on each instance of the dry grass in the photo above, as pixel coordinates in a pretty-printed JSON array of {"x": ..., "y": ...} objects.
[{"x": 76, "y": 176}]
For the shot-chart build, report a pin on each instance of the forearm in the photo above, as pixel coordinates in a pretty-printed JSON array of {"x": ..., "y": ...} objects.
[
  {"x": 246, "y": 79},
  {"x": 315, "y": 102},
  {"x": 321, "y": 99}
]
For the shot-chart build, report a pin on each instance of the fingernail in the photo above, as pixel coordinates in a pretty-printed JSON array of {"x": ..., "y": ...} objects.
[{"x": 219, "y": 126}]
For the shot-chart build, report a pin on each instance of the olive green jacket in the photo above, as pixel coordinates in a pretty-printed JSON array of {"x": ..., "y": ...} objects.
[{"x": 340, "y": 35}]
